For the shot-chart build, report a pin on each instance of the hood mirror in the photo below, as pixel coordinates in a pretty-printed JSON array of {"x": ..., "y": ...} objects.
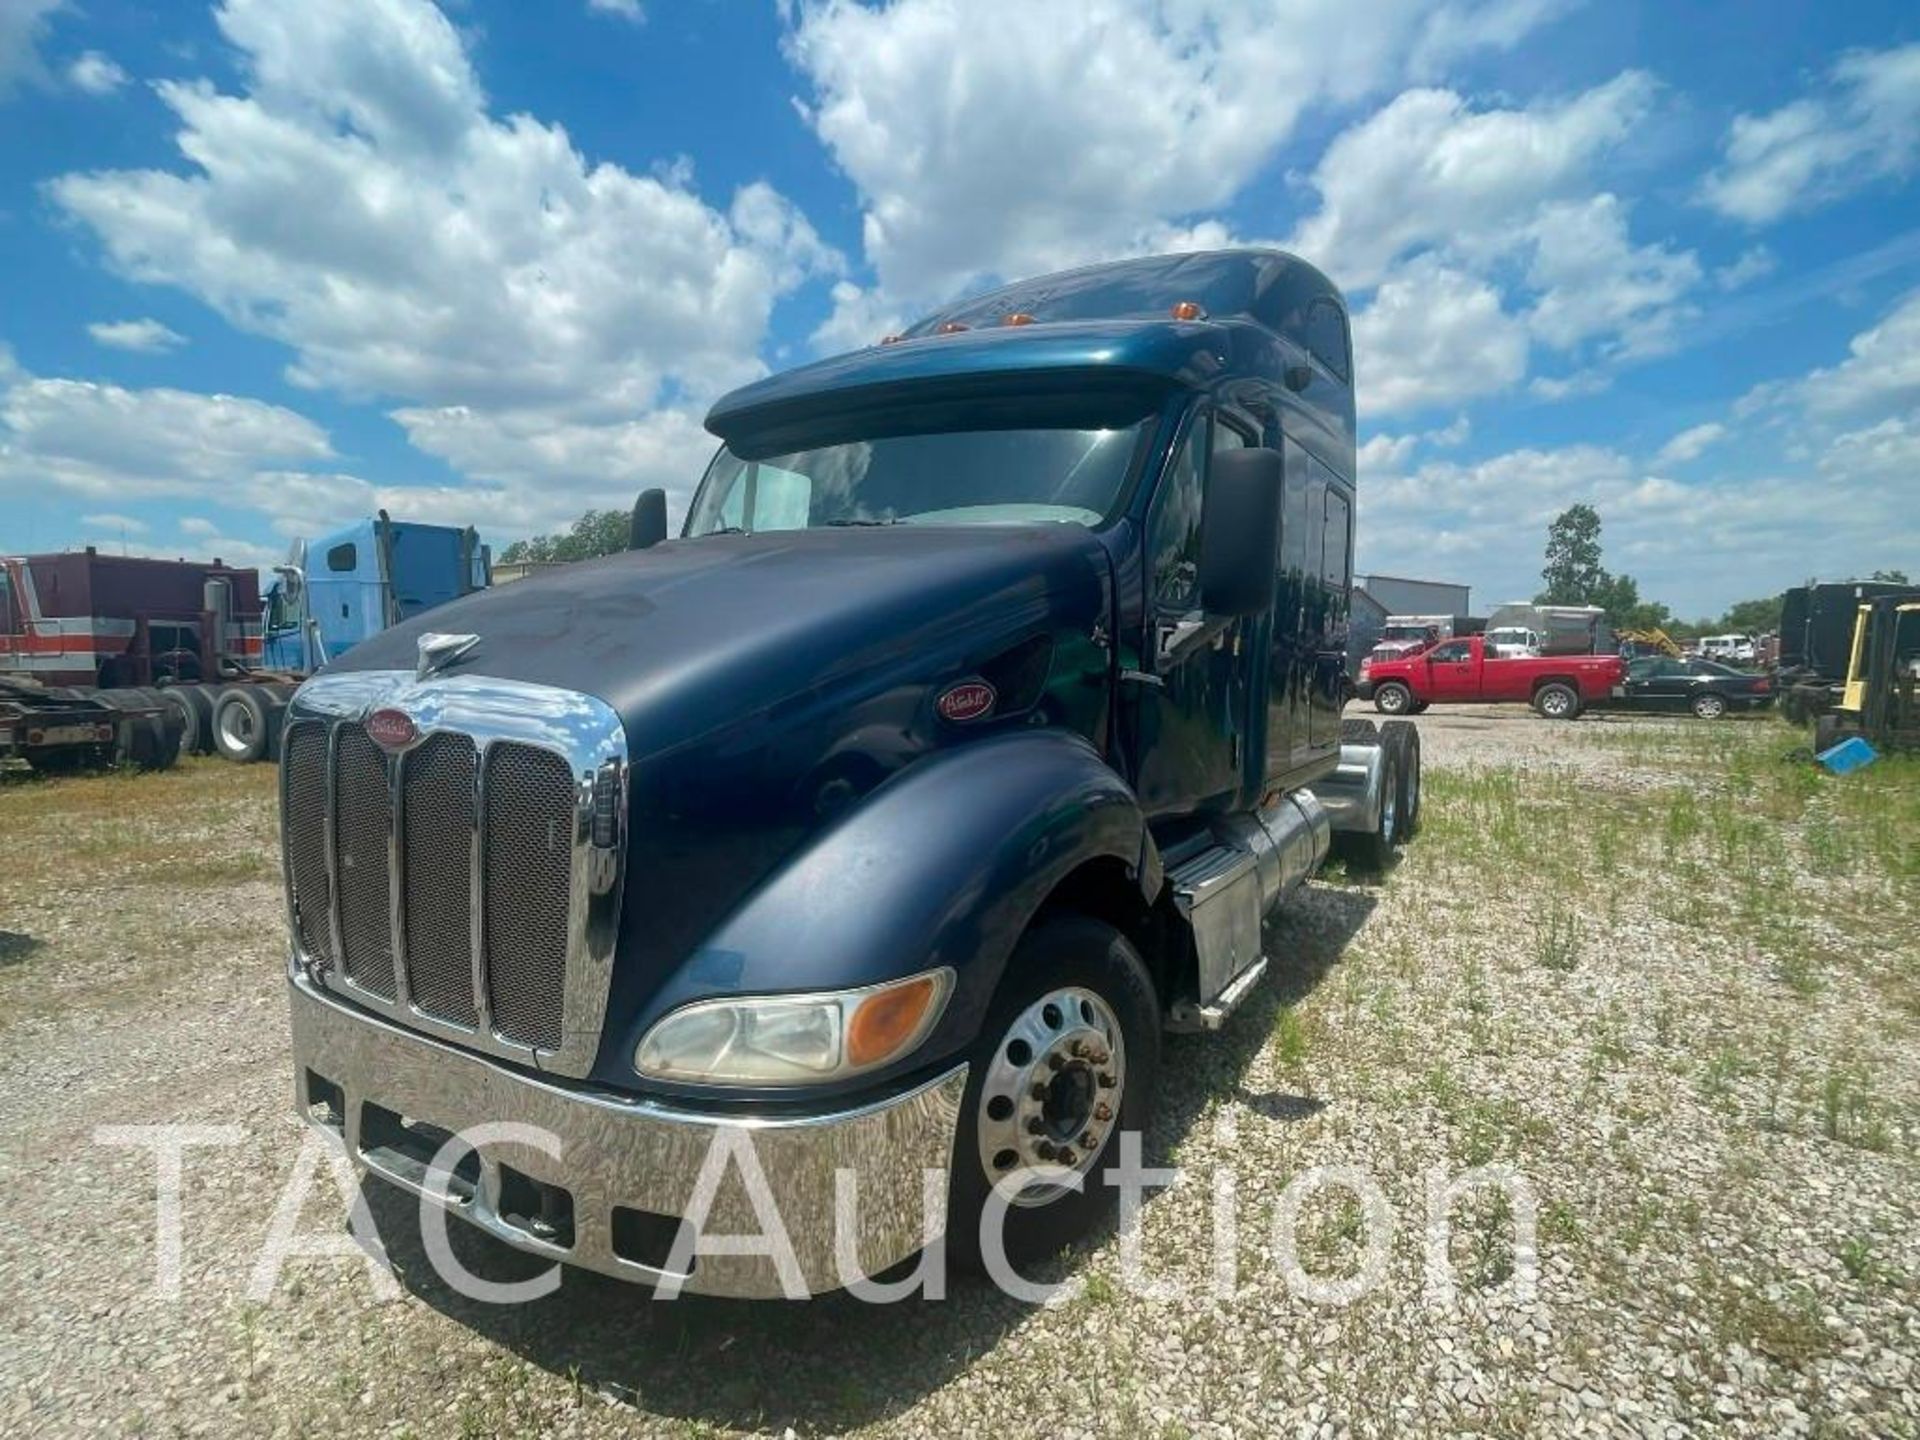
[{"x": 649, "y": 526}]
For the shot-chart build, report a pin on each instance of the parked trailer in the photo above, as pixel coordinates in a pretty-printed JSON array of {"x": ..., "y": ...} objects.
[
  {"x": 883, "y": 821},
  {"x": 201, "y": 641},
  {"x": 56, "y": 729},
  {"x": 1817, "y": 624}
]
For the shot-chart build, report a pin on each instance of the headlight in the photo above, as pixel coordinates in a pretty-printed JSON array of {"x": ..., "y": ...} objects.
[{"x": 794, "y": 1039}]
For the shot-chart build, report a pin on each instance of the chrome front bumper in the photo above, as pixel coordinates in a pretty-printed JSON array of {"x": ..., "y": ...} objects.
[{"x": 356, "y": 1075}]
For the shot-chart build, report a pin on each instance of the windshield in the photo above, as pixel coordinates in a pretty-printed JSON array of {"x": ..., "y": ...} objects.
[
  {"x": 1406, "y": 632},
  {"x": 955, "y": 477}
]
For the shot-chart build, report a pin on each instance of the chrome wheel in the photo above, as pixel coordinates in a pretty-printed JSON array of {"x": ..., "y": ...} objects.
[
  {"x": 236, "y": 727},
  {"x": 1052, "y": 1092},
  {"x": 1555, "y": 704},
  {"x": 1709, "y": 707}
]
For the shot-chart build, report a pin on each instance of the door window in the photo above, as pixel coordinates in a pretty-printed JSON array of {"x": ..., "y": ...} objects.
[
  {"x": 1173, "y": 532},
  {"x": 1454, "y": 650}
]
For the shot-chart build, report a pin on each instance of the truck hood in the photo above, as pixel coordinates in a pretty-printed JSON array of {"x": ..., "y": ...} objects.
[
  {"x": 696, "y": 635},
  {"x": 769, "y": 682}
]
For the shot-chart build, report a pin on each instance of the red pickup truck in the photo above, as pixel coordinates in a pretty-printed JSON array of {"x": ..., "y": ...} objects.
[{"x": 1454, "y": 671}]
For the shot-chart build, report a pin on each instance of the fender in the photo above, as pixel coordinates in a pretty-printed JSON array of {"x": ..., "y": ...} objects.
[{"x": 946, "y": 864}]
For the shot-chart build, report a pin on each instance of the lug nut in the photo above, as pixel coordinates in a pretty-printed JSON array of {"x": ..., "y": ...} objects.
[
  {"x": 1039, "y": 1090},
  {"x": 1045, "y": 1150},
  {"x": 1056, "y": 1060},
  {"x": 1036, "y": 1126},
  {"x": 1099, "y": 1057},
  {"x": 1066, "y": 1156},
  {"x": 1106, "y": 1081},
  {"x": 1103, "y": 1112},
  {"x": 1087, "y": 1138},
  {"x": 1079, "y": 1048}
]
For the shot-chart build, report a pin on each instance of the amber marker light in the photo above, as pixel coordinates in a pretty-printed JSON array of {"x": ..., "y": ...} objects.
[
  {"x": 952, "y": 327},
  {"x": 892, "y": 1020},
  {"x": 1188, "y": 310},
  {"x": 1019, "y": 317}
]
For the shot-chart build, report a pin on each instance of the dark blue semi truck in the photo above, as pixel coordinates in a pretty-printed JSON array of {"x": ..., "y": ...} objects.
[{"x": 986, "y": 704}]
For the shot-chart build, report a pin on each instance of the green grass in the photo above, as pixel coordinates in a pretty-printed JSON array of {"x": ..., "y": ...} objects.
[{"x": 1730, "y": 831}]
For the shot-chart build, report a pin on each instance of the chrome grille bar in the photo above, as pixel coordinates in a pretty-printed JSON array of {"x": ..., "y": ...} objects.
[{"x": 488, "y": 917}]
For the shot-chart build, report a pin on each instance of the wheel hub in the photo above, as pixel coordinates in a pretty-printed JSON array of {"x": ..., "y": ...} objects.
[{"x": 1051, "y": 1094}]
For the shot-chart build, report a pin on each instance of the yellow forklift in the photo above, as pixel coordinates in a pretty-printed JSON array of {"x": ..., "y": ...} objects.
[{"x": 1883, "y": 673}]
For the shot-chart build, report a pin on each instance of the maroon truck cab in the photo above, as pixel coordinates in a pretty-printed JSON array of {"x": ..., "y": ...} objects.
[
  {"x": 1460, "y": 672},
  {"x": 83, "y": 618}
]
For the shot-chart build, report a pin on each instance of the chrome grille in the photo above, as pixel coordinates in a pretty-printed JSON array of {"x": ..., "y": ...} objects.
[
  {"x": 362, "y": 830},
  {"x": 531, "y": 810},
  {"x": 437, "y": 820},
  {"x": 303, "y": 800},
  {"x": 473, "y": 850}
]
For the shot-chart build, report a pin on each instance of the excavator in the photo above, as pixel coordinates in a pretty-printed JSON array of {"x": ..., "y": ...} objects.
[{"x": 1649, "y": 642}]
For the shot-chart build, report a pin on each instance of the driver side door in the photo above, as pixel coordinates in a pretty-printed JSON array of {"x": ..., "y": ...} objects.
[
  {"x": 1191, "y": 723},
  {"x": 1451, "y": 673}
]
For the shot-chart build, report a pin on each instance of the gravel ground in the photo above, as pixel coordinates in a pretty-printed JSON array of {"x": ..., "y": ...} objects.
[{"x": 1660, "y": 973}]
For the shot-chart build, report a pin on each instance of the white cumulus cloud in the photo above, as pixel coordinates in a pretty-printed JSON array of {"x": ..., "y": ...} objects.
[
  {"x": 1860, "y": 127},
  {"x": 23, "y": 25},
  {"x": 359, "y": 202},
  {"x": 147, "y": 336},
  {"x": 96, "y": 74},
  {"x": 1003, "y": 138}
]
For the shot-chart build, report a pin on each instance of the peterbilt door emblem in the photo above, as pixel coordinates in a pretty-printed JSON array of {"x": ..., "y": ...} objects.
[
  {"x": 438, "y": 651},
  {"x": 969, "y": 700},
  {"x": 392, "y": 729}
]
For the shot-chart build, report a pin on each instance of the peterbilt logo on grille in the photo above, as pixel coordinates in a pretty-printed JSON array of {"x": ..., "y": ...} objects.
[
  {"x": 969, "y": 700},
  {"x": 392, "y": 729}
]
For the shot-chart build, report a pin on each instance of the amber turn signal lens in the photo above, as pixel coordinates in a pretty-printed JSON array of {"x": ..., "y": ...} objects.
[
  {"x": 1019, "y": 317},
  {"x": 952, "y": 327},
  {"x": 888, "y": 1020},
  {"x": 1188, "y": 310}
]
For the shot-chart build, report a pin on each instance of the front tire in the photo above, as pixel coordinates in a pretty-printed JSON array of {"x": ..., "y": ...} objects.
[
  {"x": 1073, "y": 1032},
  {"x": 1709, "y": 706},
  {"x": 1392, "y": 698}
]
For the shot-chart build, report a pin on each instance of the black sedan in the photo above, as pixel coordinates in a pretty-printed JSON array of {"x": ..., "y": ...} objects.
[{"x": 1656, "y": 682}]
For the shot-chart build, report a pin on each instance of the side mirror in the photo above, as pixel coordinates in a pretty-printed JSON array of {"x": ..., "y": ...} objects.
[
  {"x": 649, "y": 526},
  {"x": 1240, "y": 533}
]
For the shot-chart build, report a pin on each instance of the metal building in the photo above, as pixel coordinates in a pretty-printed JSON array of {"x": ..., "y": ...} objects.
[{"x": 1402, "y": 596}]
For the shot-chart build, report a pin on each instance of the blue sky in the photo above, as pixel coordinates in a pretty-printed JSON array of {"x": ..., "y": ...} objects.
[{"x": 269, "y": 265}]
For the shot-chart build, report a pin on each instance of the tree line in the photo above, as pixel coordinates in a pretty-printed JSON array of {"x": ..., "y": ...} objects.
[{"x": 1574, "y": 575}]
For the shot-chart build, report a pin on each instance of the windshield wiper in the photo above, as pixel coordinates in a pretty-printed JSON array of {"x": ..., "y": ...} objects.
[{"x": 890, "y": 521}]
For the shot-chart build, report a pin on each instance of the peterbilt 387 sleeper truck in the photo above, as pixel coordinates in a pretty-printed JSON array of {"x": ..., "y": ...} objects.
[{"x": 987, "y": 701}]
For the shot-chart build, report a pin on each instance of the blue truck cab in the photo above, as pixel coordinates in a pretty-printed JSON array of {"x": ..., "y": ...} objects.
[
  {"x": 348, "y": 586},
  {"x": 876, "y": 825}
]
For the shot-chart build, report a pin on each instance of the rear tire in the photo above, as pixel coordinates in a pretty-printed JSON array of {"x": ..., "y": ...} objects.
[
  {"x": 1392, "y": 698},
  {"x": 195, "y": 710},
  {"x": 246, "y": 724},
  {"x": 1095, "y": 982},
  {"x": 1406, "y": 735},
  {"x": 1356, "y": 731},
  {"x": 1372, "y": 850},
  {"x": 1709, "y": 705},
  {"x": 1555, "y": 701}
]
